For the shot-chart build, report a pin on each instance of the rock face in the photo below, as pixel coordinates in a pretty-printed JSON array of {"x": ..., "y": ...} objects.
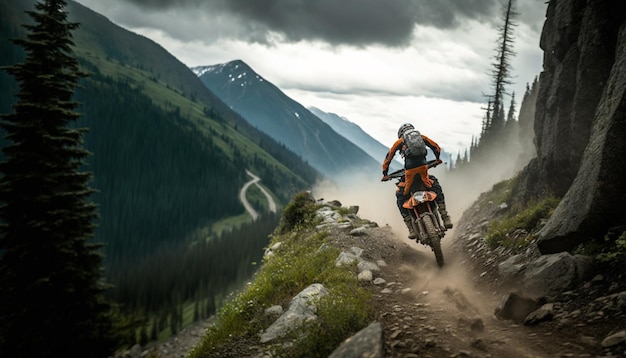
[
  {"x": 550, "y": 275},
  {"x": 301, "y": 309},
  {"x": 368, "y": 342},
  {"x": 515, "y": 307},
  {"x": 580, "y": 121}
]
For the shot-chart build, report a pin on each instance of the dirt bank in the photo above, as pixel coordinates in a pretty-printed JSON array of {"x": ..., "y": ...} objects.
[{"x": 427, "y": 311}]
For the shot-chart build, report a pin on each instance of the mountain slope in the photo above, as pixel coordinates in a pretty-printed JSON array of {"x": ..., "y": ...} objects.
[
  {"x": 355, "y": 134},
  {"x": 269, "y": 109},
  {"x": 168, "y": 156}
]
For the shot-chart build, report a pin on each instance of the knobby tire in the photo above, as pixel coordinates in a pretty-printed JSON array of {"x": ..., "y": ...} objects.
[{"x": 435, "y": 242}]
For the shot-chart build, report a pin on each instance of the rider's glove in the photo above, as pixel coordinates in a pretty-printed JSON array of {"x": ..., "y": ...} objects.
[
  {"x": 439, "y": 161},
  {"x": 385, "y": 172},
  {"x": 385, "y": 178}
]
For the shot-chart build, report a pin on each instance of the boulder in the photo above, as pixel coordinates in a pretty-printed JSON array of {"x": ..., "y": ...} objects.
[
  {"x": 365, "y": 276},
  {"x": 276, "y": 310},
  {"x": 516, "y": 307},
  {"x": 512, "y": 268},
  {"x": 615, "y": 339},
  {"x": 301, "y": 309},
  {"x": 328, "y": 215},
  {"x": 552, "y": 274},
  {"x": 544, "y": 313},
  {"x": 367, "y": 342}
]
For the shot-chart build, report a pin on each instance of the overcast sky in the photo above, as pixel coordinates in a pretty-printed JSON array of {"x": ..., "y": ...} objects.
[{"x": 377, "y": 63}]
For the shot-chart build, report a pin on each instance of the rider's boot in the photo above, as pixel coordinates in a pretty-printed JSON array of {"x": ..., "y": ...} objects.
[
  {"x": 409, "y": 225},
  {"x": 447, "y": 222}
]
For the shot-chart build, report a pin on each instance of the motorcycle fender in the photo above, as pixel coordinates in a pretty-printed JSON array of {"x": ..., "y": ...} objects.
[
  {"x": 419, "y": 197},
  {"x": 430, "y": 196},
  {"x": 410, "y": 203}
]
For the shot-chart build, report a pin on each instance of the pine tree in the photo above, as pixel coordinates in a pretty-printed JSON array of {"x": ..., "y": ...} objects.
[
  {"x": 52, "y": 301},
  {"x": 510, "y": 118},
  {"x": 486, "y": 125},
  {"x": 501, "y": 68}
]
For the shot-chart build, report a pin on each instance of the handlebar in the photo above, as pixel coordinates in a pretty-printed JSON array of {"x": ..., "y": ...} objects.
[{"x": 399, "y": 173}]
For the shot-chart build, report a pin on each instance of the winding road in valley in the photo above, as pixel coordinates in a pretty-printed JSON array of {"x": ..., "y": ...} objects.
[{"x": 242, "y": 196}]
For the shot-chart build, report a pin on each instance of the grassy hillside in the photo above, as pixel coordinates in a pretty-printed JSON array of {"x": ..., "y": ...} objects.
[
  {"x": 168, "y": 159},
  {"x": 302, "y": 256},
  {"x": 154, "y": 129}
]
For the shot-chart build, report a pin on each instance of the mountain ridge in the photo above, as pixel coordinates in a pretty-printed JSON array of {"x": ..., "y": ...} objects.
[
  {"x": 267, "y": 108},
  {"x": 354, "y": 133}
]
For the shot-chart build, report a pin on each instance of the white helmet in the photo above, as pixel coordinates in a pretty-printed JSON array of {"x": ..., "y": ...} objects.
[{"x": 403, "y": 128}]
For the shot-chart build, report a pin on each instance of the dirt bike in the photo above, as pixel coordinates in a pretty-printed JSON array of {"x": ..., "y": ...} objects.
[{"x": 425, "y": 218}]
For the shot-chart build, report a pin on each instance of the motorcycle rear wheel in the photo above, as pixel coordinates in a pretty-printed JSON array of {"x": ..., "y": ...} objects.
[{"x": 435, "y": 242}]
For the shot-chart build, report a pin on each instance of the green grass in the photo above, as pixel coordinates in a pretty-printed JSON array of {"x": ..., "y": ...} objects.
[
  {"x": 609, "y": 251},
  {"x": 527, "y": 219},
  {"x": 302, "y": 259},
  {"x": 188, "y": 309},
  {"x": 228, "y": 223},
  {"x": 188, "y": 315},
  {"x": 258, "y": 200},
  {"x": 500, "y": 192}
]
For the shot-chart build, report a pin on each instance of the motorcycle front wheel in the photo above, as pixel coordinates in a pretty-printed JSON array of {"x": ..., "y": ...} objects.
[{"x": 435, "y": 242}]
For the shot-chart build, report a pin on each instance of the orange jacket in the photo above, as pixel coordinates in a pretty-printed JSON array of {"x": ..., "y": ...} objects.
[{"x": 398, "y": 146}]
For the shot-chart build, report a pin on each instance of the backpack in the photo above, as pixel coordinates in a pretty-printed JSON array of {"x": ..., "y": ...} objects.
[{"x": 414, "y": 143}]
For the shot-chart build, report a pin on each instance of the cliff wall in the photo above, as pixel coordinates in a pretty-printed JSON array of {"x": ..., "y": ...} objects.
[{"x": 580, "y": 133}]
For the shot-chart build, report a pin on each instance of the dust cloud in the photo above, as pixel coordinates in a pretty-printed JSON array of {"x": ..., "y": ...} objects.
[{"x": 377, "y": 202}]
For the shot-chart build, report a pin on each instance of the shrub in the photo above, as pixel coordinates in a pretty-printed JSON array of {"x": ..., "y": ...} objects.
[
  {"x": 298, "y": 212},
  {"x": 609, "y": 251},
  {"x": 499, "y": 193},
  {"x": 528, "y": 219}
]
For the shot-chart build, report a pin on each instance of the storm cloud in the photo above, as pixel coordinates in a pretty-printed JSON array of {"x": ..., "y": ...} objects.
[
  {"x": 345, "y": 22},
  {"x": 376, "y": 62}
]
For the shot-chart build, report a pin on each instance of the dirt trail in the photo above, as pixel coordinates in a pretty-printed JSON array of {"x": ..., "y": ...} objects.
[
  {"x": 244, "y": 200},
  {"x": 445, "y": 313},
  {"x": 427, "y": 311}
]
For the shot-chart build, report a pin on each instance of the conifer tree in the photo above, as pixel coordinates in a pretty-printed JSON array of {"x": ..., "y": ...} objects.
[
  {"x": 52, "y": 301},
  {"x": 501, "y": 68},
  {"x": 510, "y": 117},
  {"x": 486, "y": 125}
]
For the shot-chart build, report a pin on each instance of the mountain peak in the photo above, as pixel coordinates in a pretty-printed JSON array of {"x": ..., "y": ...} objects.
[
  {"x": 267, "y": 108},
  {"x": 236, "y": 70}
]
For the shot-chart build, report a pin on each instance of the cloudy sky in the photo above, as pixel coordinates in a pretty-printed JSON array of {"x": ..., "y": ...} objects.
[{"x": 377, "y": 63}]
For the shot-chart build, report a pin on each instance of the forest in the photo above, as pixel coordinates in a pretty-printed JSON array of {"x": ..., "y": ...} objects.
[
  {"x": 160, "y": 177},
  {"x": 506, "y": 138},
  {"x": 151, "y": 186},
  {"x": 159, "y": 182}
]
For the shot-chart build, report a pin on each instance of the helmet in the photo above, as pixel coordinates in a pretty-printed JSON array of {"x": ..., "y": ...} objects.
[{"x": 403, "y": 128}]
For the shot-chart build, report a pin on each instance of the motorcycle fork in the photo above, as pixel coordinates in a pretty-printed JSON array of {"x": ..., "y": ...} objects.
[
  {"x": 418, "y": 219},
  {"x": 433, "y": 210},
  {"x": 419, "y": 225}
]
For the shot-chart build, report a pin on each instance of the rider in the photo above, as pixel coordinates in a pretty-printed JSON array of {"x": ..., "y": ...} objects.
[{"x": 414, "y": 166}]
